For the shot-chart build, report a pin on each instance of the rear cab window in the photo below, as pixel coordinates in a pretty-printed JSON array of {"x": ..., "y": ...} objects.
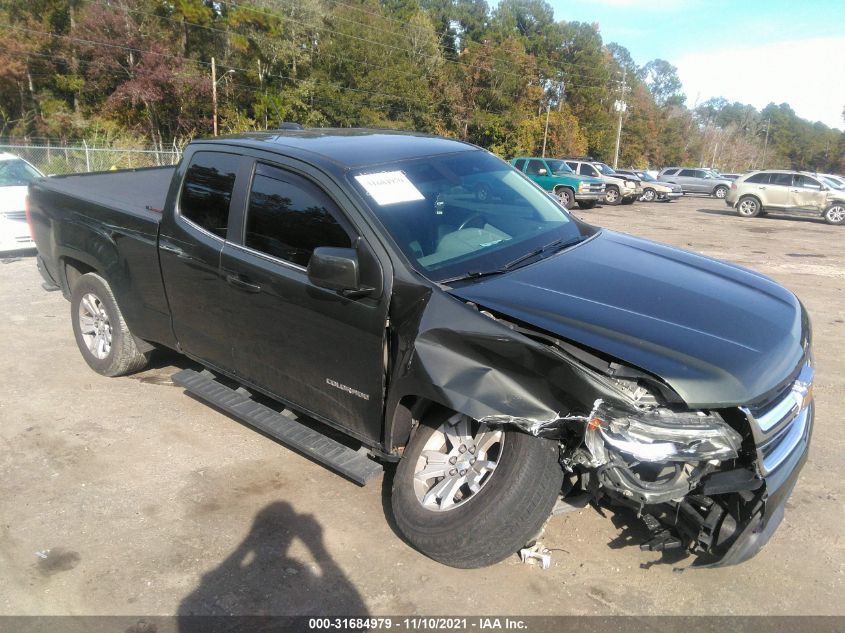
[
  {"x": 520, "y": 164},
  {"x": 207, "y": 191}
]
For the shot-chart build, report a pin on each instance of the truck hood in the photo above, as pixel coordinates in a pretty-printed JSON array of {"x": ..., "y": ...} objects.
[{"x": 718, "y": 334}]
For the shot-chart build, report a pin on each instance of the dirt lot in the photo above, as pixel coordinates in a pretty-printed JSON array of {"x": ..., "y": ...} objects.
[{"x": 125, "y": 496}]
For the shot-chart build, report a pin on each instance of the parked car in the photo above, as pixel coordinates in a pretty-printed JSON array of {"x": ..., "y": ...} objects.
[
  {"x": 618, "y": 189},
  {"x": 653, "y": 189},
  {"x": 696, "y": 181},
  {"x": 15, "y": 175},
  {"x": 353, "y": 276},
  {"x": 730, "y": 176},
  {"x": 555, "y": 176},
  {"x": 832, "y": 180},
  {"x": 781, "y": 191}
]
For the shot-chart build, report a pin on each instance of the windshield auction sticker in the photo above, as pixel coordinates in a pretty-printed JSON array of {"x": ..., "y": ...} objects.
[{"x": 390, "y": 187}]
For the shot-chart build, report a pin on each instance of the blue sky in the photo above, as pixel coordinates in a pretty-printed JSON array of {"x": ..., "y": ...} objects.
[{"x": 753, "y": 51}]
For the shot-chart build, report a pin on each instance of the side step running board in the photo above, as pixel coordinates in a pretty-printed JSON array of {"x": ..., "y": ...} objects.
[{"x": 282, "y": 426}]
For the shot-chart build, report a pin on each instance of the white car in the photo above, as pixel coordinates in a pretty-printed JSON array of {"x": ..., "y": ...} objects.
[{"x": 15, "y": 176}]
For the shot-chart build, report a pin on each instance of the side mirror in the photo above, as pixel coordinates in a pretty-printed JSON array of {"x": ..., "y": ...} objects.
[
  {"x": 336, "y": 269},
  {"x": 542, "y": 172}
]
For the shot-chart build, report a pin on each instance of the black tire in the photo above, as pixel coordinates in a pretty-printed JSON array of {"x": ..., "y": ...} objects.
[
  {"x": 498, "y": 520},
  {"x": 123, "y": 357},
  {"x": 566, "y": 196},
  {"x": 611, "y": 195},
  {"x": 628, "y": 200},
  {"x": 748, "y": 207},
  {"x": 720, "y": 192},
  {"x": 587, "y": 204},
  {"x": 835, "y": 214},
  {"x": 649, "y": 195}
]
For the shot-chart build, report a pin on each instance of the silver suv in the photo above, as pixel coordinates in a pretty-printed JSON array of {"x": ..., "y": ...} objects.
[
  {"x": 783, "y": 191},
  {"x": 619, "y": 189},
  {"x": 696, "y": 181}
]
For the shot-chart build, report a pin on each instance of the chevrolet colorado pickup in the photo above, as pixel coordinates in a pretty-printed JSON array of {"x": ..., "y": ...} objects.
[{"x": 507, "y": 355}]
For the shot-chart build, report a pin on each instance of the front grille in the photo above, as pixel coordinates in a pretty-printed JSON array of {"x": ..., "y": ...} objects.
[
  {"x": 16, "y": 216},
  {"x": 780, "y": 426},
  {"x": 594, "y": 188}
]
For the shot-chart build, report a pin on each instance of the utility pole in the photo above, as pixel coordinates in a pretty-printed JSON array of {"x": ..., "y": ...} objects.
[
  {"x": 765, "y": 144},
  {"x": 620, "y": 107},
  {"x": 546, "y": 133},
  {"x": 214, "y": 94},
  {"x": 214, "y": 81}
]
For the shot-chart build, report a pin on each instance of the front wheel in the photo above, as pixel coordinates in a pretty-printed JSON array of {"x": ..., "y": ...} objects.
[
  {"x": 101, "y": 333},
  {"x": 748, "y": 207},
  {"x": 649, "y": 194},
  {"x": 468, "y": 495},
  {"x": 835, "y": 214},
  {"x": 720, "y": 192},
  {"x": 566, "y": 197},
  {"x": 611, "y": 196}
]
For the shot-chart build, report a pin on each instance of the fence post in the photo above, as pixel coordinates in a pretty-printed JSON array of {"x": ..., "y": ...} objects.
[{"x": 87, "y": 156}]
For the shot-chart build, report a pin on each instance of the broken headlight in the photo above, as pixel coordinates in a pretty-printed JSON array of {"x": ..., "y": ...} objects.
[
  {"x": 661, "y": 435},
  {"x": 657, "y": 455}
]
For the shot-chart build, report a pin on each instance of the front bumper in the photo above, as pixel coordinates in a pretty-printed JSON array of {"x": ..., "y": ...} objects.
[
  {"x": 589, "y": 196},
  {"x": 672, "y": 195}
]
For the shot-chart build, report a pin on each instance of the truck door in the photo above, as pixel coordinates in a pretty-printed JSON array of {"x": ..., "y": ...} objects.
[
  {"x": 306, "y": 345},
  {"x": 190, "y": 242},
  {"x": 807, "y": 194},
  {"x": 539, "y": 172}
]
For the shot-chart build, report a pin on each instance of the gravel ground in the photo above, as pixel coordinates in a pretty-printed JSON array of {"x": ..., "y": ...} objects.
[{"x": 125, "y": 496}]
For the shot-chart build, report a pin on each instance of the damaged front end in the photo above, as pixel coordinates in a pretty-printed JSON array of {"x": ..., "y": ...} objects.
[{"x": 710, "y": 482}]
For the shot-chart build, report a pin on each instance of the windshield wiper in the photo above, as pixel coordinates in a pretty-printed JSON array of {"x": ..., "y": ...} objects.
[{"x": 478, "y": 274}]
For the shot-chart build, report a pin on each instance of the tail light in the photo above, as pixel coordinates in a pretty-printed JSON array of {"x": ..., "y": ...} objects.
[{"x": 29, "y": 218}]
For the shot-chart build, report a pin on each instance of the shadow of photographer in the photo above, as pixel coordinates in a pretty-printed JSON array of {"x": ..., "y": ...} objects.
[{"x": 260, "y": 578}]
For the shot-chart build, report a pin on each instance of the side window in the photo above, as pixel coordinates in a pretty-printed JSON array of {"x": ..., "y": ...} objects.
[
  {"x": 759, "y": 179},
  {"x": 288, "y": 217},
  {"x": 520, "y": 164},
  {"x": 670, "y": 172},
  {"x": 534, "y": 167},
  {"x": 784, "y": 180},
  {"x": 687, "y": 172},
  {"x": 806, "y": 182},
  {"x": 588, "y": 170},
  {"x": 207, "y": 190}
]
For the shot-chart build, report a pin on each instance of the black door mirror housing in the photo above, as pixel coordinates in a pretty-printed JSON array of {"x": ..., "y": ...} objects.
[{"x": 337, "y": 269}]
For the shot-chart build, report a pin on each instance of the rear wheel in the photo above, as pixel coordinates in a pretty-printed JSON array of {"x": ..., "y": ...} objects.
[
  {"x": 566, "y": 197},
  {"x": 835, "y": 214},
  {"x": 649, "y": 194},
  {"x": 101, "y": 333},
  {"x": 469, "y": 495},
  {"x": 748, "y": 207},
  {"x": 720, "y": 192},
  {"x": 611, "y": 195}
]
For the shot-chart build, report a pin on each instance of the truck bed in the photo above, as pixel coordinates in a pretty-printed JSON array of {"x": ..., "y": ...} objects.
[{"x": 136, "y": 191}]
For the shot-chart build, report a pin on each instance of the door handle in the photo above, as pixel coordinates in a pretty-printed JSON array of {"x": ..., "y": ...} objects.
[
  {"x": 794, "y": 190},
  {"x": 761, "y": 187},
  {"x": 238, "y": 282}
]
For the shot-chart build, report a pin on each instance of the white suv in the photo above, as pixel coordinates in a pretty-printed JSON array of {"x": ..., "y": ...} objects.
[
  {"x": 15, "y": 176},
  {"x": 783, "y": 191},
  {"x": 619, "y": 188}
]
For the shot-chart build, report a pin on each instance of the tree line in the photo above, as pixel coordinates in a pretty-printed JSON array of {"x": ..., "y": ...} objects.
[{"x": 503, "y": 77}]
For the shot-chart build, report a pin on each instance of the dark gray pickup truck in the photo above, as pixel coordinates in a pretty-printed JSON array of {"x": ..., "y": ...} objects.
[{"x": 508, "y": 356}]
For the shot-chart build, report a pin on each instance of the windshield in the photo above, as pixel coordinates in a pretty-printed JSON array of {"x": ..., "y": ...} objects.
[
  {"x": 17, "y": 172},
  {"x": 463, "y": 213},
  {"x": 644, "y": 175},
  {"x": 605, "y": 169},
  {"x": 832, "y": 182},
  {"x": 559, "y": 167}
]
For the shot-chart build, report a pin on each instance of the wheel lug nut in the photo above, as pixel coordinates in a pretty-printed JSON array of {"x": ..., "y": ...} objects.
[
  {"x": 463, "y": 472},
  {"x": 472, "y": 461},
  {"x": 472, "y": 449},
  {"x": 453, "y": 460},
  {"x": 462, "y": 449},
  {"x": 453, "y": 472}
]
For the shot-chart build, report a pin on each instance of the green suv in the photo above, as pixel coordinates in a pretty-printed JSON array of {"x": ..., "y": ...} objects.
[{"x": 555, "y": 176}]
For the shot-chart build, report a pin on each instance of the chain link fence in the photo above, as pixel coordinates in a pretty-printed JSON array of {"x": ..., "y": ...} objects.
[{"x": 56, "y": 158}]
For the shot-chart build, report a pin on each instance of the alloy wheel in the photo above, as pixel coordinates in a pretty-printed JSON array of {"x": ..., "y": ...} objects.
[{"x": 94, "y": 325}]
